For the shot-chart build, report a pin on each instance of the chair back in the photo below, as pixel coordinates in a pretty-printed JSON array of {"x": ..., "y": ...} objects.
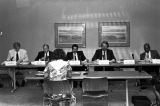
[
  {"x": 57, "y": 87},
  {"x": 95, "y": 84}
]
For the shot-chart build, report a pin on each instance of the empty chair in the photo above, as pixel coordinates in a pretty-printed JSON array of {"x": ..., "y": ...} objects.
[{"x": 95, "y": 91}]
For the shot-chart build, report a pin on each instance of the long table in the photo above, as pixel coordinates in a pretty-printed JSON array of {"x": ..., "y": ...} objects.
[
  {"x": 126, "y": 75},
  {"x": 13, "y": 70},
  {"x": 109, "y": 74},
  {"x": 89, "y": 65}
]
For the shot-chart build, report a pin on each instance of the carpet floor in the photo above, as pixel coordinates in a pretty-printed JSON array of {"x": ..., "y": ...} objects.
[{"x": 32, "y": 95}]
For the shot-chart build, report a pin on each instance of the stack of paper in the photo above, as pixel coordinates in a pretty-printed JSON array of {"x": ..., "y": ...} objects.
[
  {"x": 10, "y": 63},
  {"x": 129, "y": 61},
  {"x": 156, "y": 61},
  {"x": 74, "y": 62},
  {"x": 38, "y": 62},
  {"x": 103, "y": 62}
]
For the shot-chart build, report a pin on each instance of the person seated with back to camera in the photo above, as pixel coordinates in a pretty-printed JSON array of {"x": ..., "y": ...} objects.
[
  {"x": 59, "y": 54},
  {"x": 104, "y": 54}
]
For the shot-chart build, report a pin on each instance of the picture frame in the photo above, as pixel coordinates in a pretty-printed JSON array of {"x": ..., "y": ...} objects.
[
  {"x": 116, "y": 33},
  {"x": 67, "y": 34}
]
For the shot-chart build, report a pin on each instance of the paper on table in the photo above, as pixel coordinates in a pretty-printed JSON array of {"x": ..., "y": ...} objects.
[
  {"x": 103, "y": 62},
  {"x": 129, "y": 61},
  {"x": 74, "y": 62}
]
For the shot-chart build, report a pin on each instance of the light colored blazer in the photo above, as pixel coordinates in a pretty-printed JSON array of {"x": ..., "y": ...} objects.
[{"x": 22, "y": 53}]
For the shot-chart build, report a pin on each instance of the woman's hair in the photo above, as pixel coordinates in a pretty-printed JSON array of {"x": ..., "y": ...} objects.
[{"x": 58, "y": 54}]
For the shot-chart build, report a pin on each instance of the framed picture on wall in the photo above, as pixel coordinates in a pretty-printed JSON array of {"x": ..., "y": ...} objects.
[
  {"x": 116, "y": 33},
  {"x": 67, "y": 34}
]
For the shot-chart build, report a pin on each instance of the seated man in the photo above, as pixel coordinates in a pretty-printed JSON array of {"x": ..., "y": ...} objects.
[
  {"x": 148, "y": 55},
  {"x": 19, "y": 55},
  {"x": 104, "y": 54},
  {"x": 45, "y": 55},
  {"x": 76, "y": 55}
]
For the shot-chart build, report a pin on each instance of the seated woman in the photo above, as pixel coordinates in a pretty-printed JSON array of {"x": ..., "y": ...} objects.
[{"x": 55, "y": 84}]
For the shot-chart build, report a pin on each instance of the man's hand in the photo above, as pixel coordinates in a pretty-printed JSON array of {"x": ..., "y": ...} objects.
[{"x": 42, "y": 59}]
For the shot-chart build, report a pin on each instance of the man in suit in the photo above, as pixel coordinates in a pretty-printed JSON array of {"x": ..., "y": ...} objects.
[
  {"x": 148, "y": 55},
  {"x": 76, "y": 55},
  {"x": 45, "y": 55},
  {"x": 19, "y": 55},
  {"x": 104, "y": 54}
]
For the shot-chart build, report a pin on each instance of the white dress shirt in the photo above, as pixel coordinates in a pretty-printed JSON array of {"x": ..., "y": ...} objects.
[
  {"x": 75, "y": 55},
  {"x": 46, "y": 55},
  {"x": 148, "y": 56},
  {"x": 104, "y": 55},
  {"x": 21, "y": 53}
]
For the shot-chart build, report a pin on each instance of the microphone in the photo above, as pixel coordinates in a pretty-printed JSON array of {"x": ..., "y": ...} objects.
[{"x": 132, "y": 56}]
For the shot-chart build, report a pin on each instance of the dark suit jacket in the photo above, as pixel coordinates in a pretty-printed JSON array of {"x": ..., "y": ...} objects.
[
  {"x": 80, "y": 55},
  {"x": 98, "y": 55},
  {"x": 154, "y": 55},
  {"x": 41, "y": 54}
]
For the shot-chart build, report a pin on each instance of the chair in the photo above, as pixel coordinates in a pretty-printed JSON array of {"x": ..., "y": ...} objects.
[
  {"x": 94, "y": 89},
  {"x": 156, "y": 90},
  {"x": 56, "y": 88}
]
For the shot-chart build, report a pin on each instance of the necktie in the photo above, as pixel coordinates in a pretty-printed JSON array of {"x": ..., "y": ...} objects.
[
  {"x": 104, "y": 55},
  {"x": 147, "y": 56},
  {"x": 46, "y": 57},
  {"x": 17, "y": 57},
  {"x": 75, "y": 56}
]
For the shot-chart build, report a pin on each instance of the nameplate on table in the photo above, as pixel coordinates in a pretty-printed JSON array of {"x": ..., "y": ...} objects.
[
  {"x": 156, "y": 61},
  {"x": 10, "y": 63},
  {"x": 41, "y": 63},
  {"x": 74, "y": 62},
  {"x": 129, "y": 61},
  {"x": 103, "y": 62}
]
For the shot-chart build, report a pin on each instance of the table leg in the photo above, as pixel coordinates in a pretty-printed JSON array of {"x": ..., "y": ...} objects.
[
  {"x": 14, "y": 80},
  {"x": 127, "y": 102}
]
